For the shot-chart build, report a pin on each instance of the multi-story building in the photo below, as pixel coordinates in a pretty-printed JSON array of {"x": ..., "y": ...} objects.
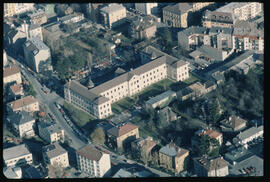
[
  {"x": 119, "y": 136},
  {"x": 177, "y": 15},
  {"x": 49, "y": 9},
  {"x": 200, "y": 5},
  {"x": 143, "y": 147},
  {"x": 35, "y": 30},
  {"x": 207, "y": 167},
  {"x": 97, "y": 101},
  {"x": 17, "y": 156},
  {"x": 51, "y": 132},
  {"x": 37, "y": 55},
  {"x": 173, "y": 157},
  {"x": 146, "y": 8},
  {"x": 212, "y": 134},
  {"x": 11, "y": 9},
  {"x": 160, "y": 99},
  {"x": 38, "y": 17},
  {"x": 28, "y": 104},
  {"x": 249, "y": 135},
  {"x": 220, "y": 38},
  {"x": 242, "y": 10},
  {"x": 93, "y": 161},
  {"x": 54, "y": 154},
  {"x": 113, "y": 14},
  {"x": 217, "y": 19},
  {"x": 234, "y": 122},
  {"x": 12, "y": 172},
  {"x": 12, "y": 74},
  {"x": 22, "y": 123},
  {"x": 72, "y": 18}
]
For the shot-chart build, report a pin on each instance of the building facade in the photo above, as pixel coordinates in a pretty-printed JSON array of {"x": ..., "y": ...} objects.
[
  {"x": 28, "y": 104},
  {"x": 93, "y": 161},
  {"x": 11, "y": 9},
  {"x": 142, "y": 29},
  {"x": 12, "y": 74},
  {"x": 217, "y": 19},
  {"x": 146, "y": 8},
  {"x": 38, "y": 17},
  {"x": 113, "y": 14},
  {"x": 51, "y": 132}
]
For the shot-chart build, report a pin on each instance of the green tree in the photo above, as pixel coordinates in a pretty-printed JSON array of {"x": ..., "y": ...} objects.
[
  {"x": 203, "y": 146},
  {"x": 214, "y": 112},
  {"x": 29, "y": 90},
  {"x": 98, "y": 136}
]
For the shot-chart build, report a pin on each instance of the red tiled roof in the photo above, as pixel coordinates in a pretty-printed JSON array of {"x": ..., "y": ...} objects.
[
  {"x": 11, "y": 70},
  {"x": 122, "y": 130}
]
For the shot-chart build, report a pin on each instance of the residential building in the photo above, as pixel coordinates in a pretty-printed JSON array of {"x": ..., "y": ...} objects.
[
  {"x": 37, "y": 55},
  {"x": 97, "y": 101},
  {"x": 217, "y": 19},
  {"x": 48, "y": 9},
  {"x": 5, "y": 60},
  {"x": 54, "y": 154},
  {"x": 242, "y": 10},
  {"x": 12, "y": 75},
  {"x": 213, "y": 54},
  {"x": 234, "y": 122},
  {"x": 146, "y": 8},
  {"x": 35, "y": 30},
  {"x": 207, "y": 167},
  {"x": 200, "y": 5},
  {"x": 28, "y": 104},
  {"x": 142, "y": 29},
  {"x": 38, "y": 17},
  {"x": 11, "y": 9},
  {"x": 91, "y": 11},
  {"x": 177, "y": 15},
  {"x": 51, "y": 132},
  {"x": 221, "y": 38},
  {"x": 212, "y": 134},
  {"x": 72, "y": 18},
  {"x": 169, "y": 114},
  {"x": 12, "y": 172},
  {"x": 121, "y": 135},
  {"x": 93, "y": 161},
  {"x": 15, "y": 40},
  {"x": 22, "y": 123},
  {"x": 173, "y": 157},
  {"x": 160, "y": 99},
  {"x": 113, "y": 14},
  {"x": 16, "y": 90},
  {"x": 143, "y": 147},
  {"x": 17, "y": 156},
  {"x": 249, "y": 135}
]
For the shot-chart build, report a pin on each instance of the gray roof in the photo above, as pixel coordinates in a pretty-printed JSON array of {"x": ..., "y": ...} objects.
[
  {"x": 231, "y": 6},
  {"x": 172, "y": 150},
  {"x": 34, "y": 45},
  {"x": 244, "y": 28},
  {"x": 218, "y": 16},
  {"x": 194, "y": 30},
  {"x": 16, "y": 151},
  {"x": 90, "y": 152},
  {"x": 53, "y": 150},
  {"x": 112, "y": 8},
  {"x": 33, "y": 26},
  {"x": 141, "y": 24},
  {"x": 10, "y": 173},
  {"x": 37, "y": 13},
  {"x": 21, "y": 117},
  {"x": 179, "y": 8},
  {"x": 211, "y": 163},
  {"x": 50, "y": 127},
  {"x": 160, "y": 97},
  {"x": 32, "y": 172},
  {"x": 123, "y": 174},
  {"x": 221, "y": 29},
  {"x": 249, "y": 132},
  {"x": 237, "y": 155},
  {"x": 211, "y": 52}
]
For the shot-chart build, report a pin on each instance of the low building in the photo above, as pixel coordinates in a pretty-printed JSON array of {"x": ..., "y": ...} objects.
[
  {"x": 169, "y": 114},
  {"x": 38, "y": 17},
  {"x": 120, "y": 135},
  {"x": 173, "y": 157},
  {"x": 249, "y": 135},
  {"x": 54, "y": 154},
  {"x": 122, "y": 173},
  {"x": 207, "y": 167},
  {"x": 72, "y": 18},
  {"x": 28, "y": 104},
  {"x": 12, "y": 74},
  {"x": 161, "y": 99},
  {"x": 234, "y": 122},
  {"x": 143, "y": 147},
  {"x": 16, "y": 90},
  {"x": 17, "y": 156},
  {"x": 213, "y": 54},
  {"x": 12, "y": 172},
  {"x": 217, "y": 19},
  {"x": 113, "y": 14},
  {"x": 51, "y": 132},
  {"x": 22, "y": 123},
  {"x": 212, "y": 134},
  {"x": 93, "y": 161},
  {"x": 37, "y": 55}
]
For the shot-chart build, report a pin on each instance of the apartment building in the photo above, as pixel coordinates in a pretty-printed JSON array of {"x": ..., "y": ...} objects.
[
  {"x": 28, "y": 104},
  {"x": 113, "y": 14},
  {"x": 35, "y": 30},
  {"x": 93, "y": 161},
  {"x": 72, "y": 18},
  {"x": 242, "y": 10},
  {"x": 146, "y": 8},
  {"x": 143, "y": 147},
  {"x": 17, "y": 156},
  {"x": 160, "y": 99},
  {"x": 38, "y": 17},
  {"x": 118, "y": 136},
  {"x": 23, "y": 123},
  {"x": 217, "y": 19},
  {"x": 16, "y": 90},
  {"x": 37, "y": 55},
  {"x": 200, "y": 5},
  {"x": 11, "y": 9},
  {"x": 12, "y": 75},
  {"x": 249, "y": 135},
  {"x": 173, "y": 157},
  {"x": 235, "y": 123},
  {"x": 54, "y": 154},
  {"x": 212, "y": 134},
  {"x": 207, "y": 167},
  {"x": 51, "y": 132}
]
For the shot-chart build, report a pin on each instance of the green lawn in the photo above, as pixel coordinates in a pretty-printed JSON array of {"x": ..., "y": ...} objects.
[
  {"x": 191, "y": 79},
  {"x": 80, "y": 117},
  {"x": 122, "y": 105}
]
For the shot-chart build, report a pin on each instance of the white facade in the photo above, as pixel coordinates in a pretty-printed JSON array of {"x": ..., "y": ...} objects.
[
  {"x": 23, "y": 7},
  {"x": 26, "y": 129},
  {"x": 36, "y": 32},
  {"x": 113, "y": 13},
  {"x": 5, "y": 60},
  {"x": 145, "y": 8},
  {"x": 250, "y": 134}
]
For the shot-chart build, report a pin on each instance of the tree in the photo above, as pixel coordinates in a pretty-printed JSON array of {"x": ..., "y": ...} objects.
[
  {"x": 203, "y": 146},
  {"x": 213, "y": 111},
  {"x": 29, "y": 90},
  {"x": 98, "y": 136}
]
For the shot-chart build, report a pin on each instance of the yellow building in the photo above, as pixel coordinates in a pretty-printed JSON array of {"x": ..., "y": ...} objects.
[
  {"x": 9, "y": 9},
  {"x": 12, "y": 74},
  {"x": 51, "y": 132},
  {"x": 113, "y": 14},
  {"x": 28, "y": 104}
]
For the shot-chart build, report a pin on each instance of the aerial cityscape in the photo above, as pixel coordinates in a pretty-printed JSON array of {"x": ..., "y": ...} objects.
[{"x": 133, "y": 90}]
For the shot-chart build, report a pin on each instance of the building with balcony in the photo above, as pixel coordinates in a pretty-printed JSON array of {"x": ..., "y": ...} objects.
[
  {"x": 28, "y": 104},
  {"x": 51, "y": 132}
]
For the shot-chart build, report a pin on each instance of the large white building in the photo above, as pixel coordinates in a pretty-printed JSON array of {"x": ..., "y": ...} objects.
[
  {"x": 93, "y": 161},
  {"x": 113, "y": 14},
  {"x": 249, "y": 135},
  {"x": 11, "y": 9},
  {"x": 145, "y": 8},
  {"x": 97, "y": 101}
]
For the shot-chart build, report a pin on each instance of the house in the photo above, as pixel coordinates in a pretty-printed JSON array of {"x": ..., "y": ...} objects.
[
  {"x": 16, "y": 90},
  {"x": 17, "y": 156},
  {"x": 212, "y": 134},
  {"x": 28, "y": 104},
  {"x": 217, "y": 19},
  {"x": 210, "y": 167},
  {"x": 121, "y": 135},
  {"x": 113, "y": 14},
  {"x": 38, "y": 17},
  {"x": 54, "y": 154},
  {"x": 173, "y": 157},
  {"x": 234, "y": 122},
  {"x": 12, "y": 172},
  {"x": 51, "y": 132},
  {"x": 93, "y": 161},
  {"x": 37, "y": 55},
  {"x": 161, "y": 99},
  {"x": 169, "y": 114},
  {"x": 23, "y": 123},
  {"x": 249, "y": 135},
  {"x": 12, "y": 74},
  {"x": 143, "y": 147}
]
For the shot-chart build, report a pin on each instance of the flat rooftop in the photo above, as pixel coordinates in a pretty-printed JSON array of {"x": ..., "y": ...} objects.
[
  {"x": 160, "y": 97},
  {"x": 16, "y": 151},
  {"x": 230, "y": 7}
]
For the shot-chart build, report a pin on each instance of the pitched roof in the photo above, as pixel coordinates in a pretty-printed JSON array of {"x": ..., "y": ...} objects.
[
  {"x": 210, "y": 132},
  {"x": 111, "y": 8},
  {"x": 249, "y": 132},
  {"x": 90, "y": 152},
  {"x": 173, "y": 150},
  {"x": 16, "y": 88},
  {"x": 122, "y": 130},
  {"x": 20, "y": 117},
  {"x": 194, "y": 30},
  {"x": 16, "y": 151},
  {"x": 218, "y": 16},
  {"x": 168, "y": 93},
  {"x": 11, "y": 70},
  {"x": 53, "y": 150},
  {"x": 22, "y": 102},
  {"x": 178, "y": 8},
  {"x": 233, "y": 121}
]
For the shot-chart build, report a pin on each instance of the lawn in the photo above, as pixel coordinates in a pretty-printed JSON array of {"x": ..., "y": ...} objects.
[
  {"x": 80, "y": 117},
  {"x": 122, "y": 105},
  {"x": 191, "y": 79}
]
